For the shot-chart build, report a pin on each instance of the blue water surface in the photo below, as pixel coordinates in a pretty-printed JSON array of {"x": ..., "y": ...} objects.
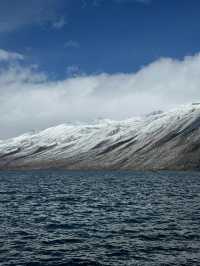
[{"x": 99, "y": 218}]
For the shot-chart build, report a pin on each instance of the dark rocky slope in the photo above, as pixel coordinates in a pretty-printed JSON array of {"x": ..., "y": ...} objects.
[{"x": 169, "y": 141}]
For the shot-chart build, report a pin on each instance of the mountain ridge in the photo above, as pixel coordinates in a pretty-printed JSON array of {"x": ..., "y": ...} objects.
[{"x": 159, "y": 141}]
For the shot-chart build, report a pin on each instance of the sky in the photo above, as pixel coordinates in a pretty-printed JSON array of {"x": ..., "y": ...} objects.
[{"x": 81, "y": 60}]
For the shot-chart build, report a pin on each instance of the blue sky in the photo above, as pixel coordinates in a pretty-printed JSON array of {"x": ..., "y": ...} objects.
[
  {"x": 80, "y": 60},
  {"x": 90, "y": 36}
]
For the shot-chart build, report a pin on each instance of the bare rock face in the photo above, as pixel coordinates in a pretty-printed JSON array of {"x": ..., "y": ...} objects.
[{"x": 159, "y": 141}]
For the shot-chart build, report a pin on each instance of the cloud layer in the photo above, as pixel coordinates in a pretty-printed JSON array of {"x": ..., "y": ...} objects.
[{"x": 29, "y": 100}]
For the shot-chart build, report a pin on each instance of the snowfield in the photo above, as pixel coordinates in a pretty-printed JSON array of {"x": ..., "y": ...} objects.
[{"x": 161, "y": 140}]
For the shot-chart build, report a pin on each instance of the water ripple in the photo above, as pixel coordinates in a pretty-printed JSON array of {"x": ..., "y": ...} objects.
[{"x": 99, "y": 218}]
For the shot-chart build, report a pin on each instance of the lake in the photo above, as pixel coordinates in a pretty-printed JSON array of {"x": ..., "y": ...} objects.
[{"x": 99, "y": 218}]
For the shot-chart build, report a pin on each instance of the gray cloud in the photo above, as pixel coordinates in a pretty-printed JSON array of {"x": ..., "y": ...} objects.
[{"x": 28, "y": 100}]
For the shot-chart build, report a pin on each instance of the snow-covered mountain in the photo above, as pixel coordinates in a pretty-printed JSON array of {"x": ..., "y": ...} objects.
[{"x": 168, "y": 140}]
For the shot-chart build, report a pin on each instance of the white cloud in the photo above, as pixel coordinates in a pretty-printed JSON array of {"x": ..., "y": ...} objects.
[
  {"x": 28, "y": 100},
  {"x": 9, "y": 56}
]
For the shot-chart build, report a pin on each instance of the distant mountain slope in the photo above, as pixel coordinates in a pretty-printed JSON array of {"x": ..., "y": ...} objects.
[{"x": 169, "y": 140}]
